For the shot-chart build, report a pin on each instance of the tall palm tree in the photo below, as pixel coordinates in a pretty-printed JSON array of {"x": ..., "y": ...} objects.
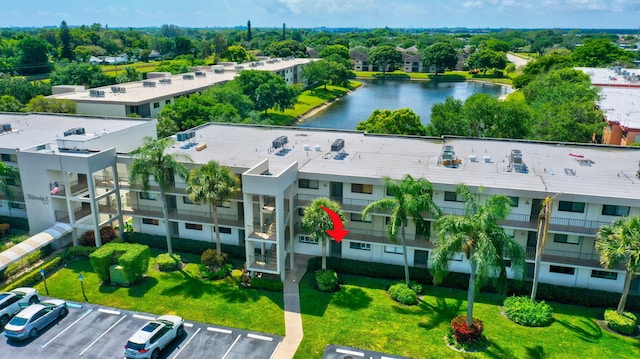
[
  {"x": 620, "y": 242},
  {"x": 411, "y": 199},
  {"x": 212, "y": 183},
  {"x": 316, "y": 222},
  {"x": 7, "y": 173},
  {"x": 152, "y": 160},
  {"x": 480, "y": 237}
]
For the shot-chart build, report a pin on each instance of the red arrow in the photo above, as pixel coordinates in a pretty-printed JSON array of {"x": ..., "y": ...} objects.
[{"x": 338, "y": 232}]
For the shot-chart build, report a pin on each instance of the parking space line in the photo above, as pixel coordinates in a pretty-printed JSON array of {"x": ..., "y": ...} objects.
[
  {"x": 261, "y": 337},
  {"x": 102, "y": 335},
  {"x": 187, "y": 343},
  {"x": 275, "y": 350},
  {"x": 188, "y": 325},
  {"x": 107, "y": 311},
  {"x": 350, "y": 352},
  {"x": 67, "y": 328},
  {"x": 145, "y": 317},
  {"x": 384, "y": 357},
  {"x": 231, "y": 347},
  {"x": 225, "y": 331}
]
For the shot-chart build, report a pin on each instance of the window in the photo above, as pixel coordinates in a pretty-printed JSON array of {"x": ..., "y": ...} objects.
[
  {"x": 456, "y": 257},
  {"x": 225, "y": 204},
  {"x": 193, "y": 226},
  {"x": 187, "y": 200},
  {"x": 357, "y": 217},
  {"x": 148, "y": 196},
  {"x": 301, "y": 212},
  {"x": 514, "y": 201},
  {"x": 225, "y": 230},
  {"x": 393, "y": 249},
  {"x": 156, "y": 104},
  {"x": 361, "y": 188},
  {"x": 604, "y": 274},
  {"x": 307, "y": 239},
  {"x": 306, "y": 183},
  {"x": 360, "y": 245},
  {"x": 451, "y": 197},
  {"x": 11, "y": 181},
  {"x": 567, "y": 206},
  {"x": 153, "y": 222},
  {"x": 167, "y": 102},
  {"x": 562, "y": 270},
  {"x": 611, "y": 210},
  {"x": 6, "y": 157},
  {"x": 563, "y": 238},
  {"x": 15, "y": 205}
]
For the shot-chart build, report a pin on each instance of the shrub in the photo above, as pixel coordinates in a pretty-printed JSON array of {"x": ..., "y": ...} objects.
[
  {"x": 185, "y": 245},
  {"x": 271, "y": 285},
  {"x": 212, "y": 260},
  {"x": 167, "y": 263},
  {"x": 403, "y": 294},
  {"x": 33, "y": 277},
  {"x": 464, "y": 333},
  {"x": 416, "y": 287},
  {"x": 134, "y": 258},
  {"x": 524, "y": 311},
  {"x": 107, "y": 235},
  {"x": 327, "y": 280},
  {"x": 625, "y": 323},
  {"x": 222, "y": 272}
]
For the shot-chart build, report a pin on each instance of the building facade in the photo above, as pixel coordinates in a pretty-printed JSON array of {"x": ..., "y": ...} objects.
[{"x": 282, "y": 169}]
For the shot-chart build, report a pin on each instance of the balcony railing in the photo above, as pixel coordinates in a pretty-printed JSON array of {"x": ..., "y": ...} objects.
[
  {"x": 348, "y": 204},
  {"x": 262, "y": 263},
  {"x": 566, "y": 257}
]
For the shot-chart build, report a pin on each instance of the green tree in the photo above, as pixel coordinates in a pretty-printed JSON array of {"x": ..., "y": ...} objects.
[
  {"x": 316, "y": 222},
  {"x": 166, "y": 127},
  {"x": 267, "y": 90},
  {"x": 599, "y": 53},
  {"x": 617, "y": 243},
  {"x": 33, "y": 56},
  {"x": 8, "y": 174},
  {"x": 80, "y": 74},
  {"x": 441, "y": 54},
  {"x": 249, "y": 35},
  {"x": 487, "y": 59},
  {"x": 9, "y": 103},
  {"x": 317, "y": 72},
  {"x": 214, "y": 184},
  {"x": 66, "y": 52},
  {"x": 235, "y": 53},
  {"x": 130, "y": 74},
  {"x": 183, "y": 46},
  {"x": 478, "y": 235},
  {"x": 82, "y": 53},
  {"x": 411, "y": 199},
  {"x": 384, "y": 57},
  {"x": 286, "y": 48},
  {"x": 339, "y": 50},
  {"x": 447, "y": 119},
  {"x": 51, "y": 105},
  {"x": 400, "y": 122},
  {"x": 497, "y": 45},
  {"x": 153, "y": 160}
]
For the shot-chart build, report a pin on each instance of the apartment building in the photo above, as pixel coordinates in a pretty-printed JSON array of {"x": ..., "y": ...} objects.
[
  {"x": 147, "y": 98},
  {"x": 282, "y": 169}
]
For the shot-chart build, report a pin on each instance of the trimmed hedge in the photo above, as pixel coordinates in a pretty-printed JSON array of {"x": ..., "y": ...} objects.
[
  {"x": 185, "y": 245},
  {"x": 168, "y": 263},
  {"x": 551, "y": 293},
  {"x": 625, "y": 323},
  {"x": 134, "y": 258},
  {"x": 15, "y": 222},
  {"x": 271, "y": 285},
  {"x": 524, "y": 311},
  {"x": 327, "y": 280},
  {"x": 401, "y": 293}
]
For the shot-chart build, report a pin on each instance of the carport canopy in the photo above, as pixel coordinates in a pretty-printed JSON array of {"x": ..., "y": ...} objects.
[{"x": 34, "y": 243}]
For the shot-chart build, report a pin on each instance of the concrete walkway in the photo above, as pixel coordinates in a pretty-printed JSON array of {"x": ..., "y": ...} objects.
[{"x": 292, "y": 317}]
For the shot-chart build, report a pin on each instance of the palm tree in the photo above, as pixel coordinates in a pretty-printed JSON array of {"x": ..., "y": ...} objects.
[
  {"x": 411, "y": 198},
  {"x": 152, "y": 160},
  {"x": 316, "y": 222},
  {"x": 481, "y": 238},
  {"x": 212, "y": 183},
  {"x": 620, "y": 242},
  {"x": 7, "y": 173}
]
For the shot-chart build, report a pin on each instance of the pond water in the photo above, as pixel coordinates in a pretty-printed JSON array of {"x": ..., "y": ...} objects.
[{"x": 419, "y": 96}]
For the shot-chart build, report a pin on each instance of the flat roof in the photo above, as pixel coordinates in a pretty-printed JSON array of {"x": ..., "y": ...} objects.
[
  {"x": 33, "y": 129},
  {"x": 136, "y": 93},
  {"x": 571, "y": 169}
]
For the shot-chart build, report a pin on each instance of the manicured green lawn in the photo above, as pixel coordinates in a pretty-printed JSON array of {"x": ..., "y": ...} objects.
[
  {"x": 361, "y": 315},
  {"x": 222, "y": 302},
  {"x": 114, "y": 70}
]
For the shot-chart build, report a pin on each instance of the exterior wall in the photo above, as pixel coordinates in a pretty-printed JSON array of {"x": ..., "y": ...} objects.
[
  {"x": 207, "y": 234},
  {"x": 101, "y": 109},
  {"x": 612, "y": 134}
]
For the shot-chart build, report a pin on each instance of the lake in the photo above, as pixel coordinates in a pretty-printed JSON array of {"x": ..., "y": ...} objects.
[{"x": 419, "y": 96}]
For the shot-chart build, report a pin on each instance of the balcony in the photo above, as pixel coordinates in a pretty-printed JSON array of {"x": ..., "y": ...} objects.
[
  {"x": 78, "y": 214},
  {"x": 347, "y": 204},
  {"x": 74, "y": 186},
  {"x": 372, "y": 236},
  {"x": 567, "y": 258},
  {"x": 176, "y": 214}
]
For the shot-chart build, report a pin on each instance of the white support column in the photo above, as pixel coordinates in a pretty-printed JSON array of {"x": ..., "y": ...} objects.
[
  {"x": 279, "y": 205},
  {"x": 116, "y": 193},
  {"x": 292, "y": 211},
  {"x": 94, "y": 209},
  {"x": 247, "y": 199}
]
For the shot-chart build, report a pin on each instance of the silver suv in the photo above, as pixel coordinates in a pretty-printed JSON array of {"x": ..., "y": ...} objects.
[
  {"x": 154, "y": 336},
  {"x": 10, "y": 302}
]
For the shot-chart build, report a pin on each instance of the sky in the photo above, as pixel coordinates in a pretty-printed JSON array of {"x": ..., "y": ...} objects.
[{"x": 585, "y": 14}]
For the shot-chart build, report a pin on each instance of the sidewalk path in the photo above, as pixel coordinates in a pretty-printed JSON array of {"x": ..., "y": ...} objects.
[{"x": 292, "y": 317}]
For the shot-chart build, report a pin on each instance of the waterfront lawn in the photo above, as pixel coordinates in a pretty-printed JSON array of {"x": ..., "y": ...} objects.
[
  {"x": 222, "y": 302},
  {"x": 362, "y": 315}
]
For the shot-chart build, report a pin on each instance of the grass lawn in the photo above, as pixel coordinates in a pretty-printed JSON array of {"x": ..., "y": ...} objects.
[
  {"x": 222, "y": 302},
  {"x": 362, "y": 315},
  {"x": 142, "y": 67}
]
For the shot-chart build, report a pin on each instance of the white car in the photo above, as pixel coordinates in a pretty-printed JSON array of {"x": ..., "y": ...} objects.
[
  {"x": 154, "y": 336},
  {"x": 32, "y": 319},
  {"x": 10, "y": 302}
]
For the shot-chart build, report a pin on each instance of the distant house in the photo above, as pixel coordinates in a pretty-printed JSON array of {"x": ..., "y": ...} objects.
[
  {"x": 313, "y": 53},
  {"x": 411, "y": 60}
]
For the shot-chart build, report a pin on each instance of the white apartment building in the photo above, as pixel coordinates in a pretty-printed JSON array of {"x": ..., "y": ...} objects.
[
  {"x": 282, "y": 169},
  {"x": 147, "y": 98}
]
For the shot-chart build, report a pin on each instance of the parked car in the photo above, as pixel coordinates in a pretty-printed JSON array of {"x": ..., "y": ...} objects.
[
  {"x": 32, "y": 319},
  {"x": 10, "y": 302},
  {"x": 154, "y": 336}
]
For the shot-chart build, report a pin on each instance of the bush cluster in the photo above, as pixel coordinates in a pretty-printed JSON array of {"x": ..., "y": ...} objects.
[
  {"x": 107, "y": 235},
  {"x": 401, "y": 293},
  {"x": 210, "y": 259},
  {"x": 26, "y": 261},
  {"x": 271, "y": 285},
  {"x": 134, "y": 258},
  {"x": 168, "y": 263},
  {"x": 327, "y": 280},
  {"x": 524, "y": 311},
  {"x": 625, "y": 323},
  {"x": 185, "y": 245},
  {"x": 222, "y": 272},
  {"x": 464, "y": 333},
  {"x": 33, "y": 277}
]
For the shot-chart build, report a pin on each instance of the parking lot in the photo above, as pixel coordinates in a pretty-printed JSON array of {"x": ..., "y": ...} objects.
[
  {"x": 91, "y": 331},
  {"x": 342, "y": 352}
]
